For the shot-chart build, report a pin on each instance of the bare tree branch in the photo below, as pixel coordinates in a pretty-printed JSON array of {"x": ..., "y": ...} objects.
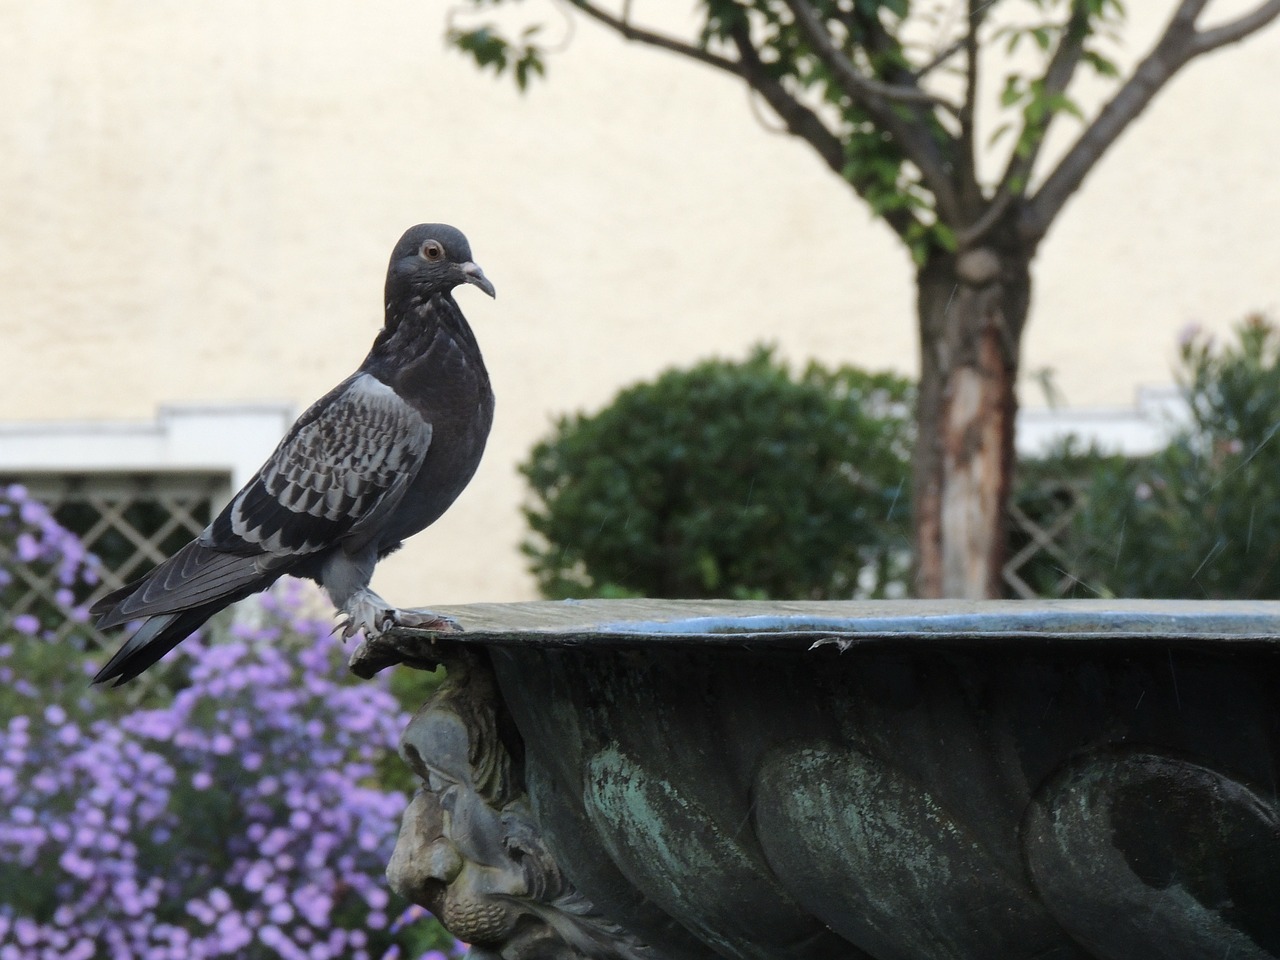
[
  {"x": 973, "y": 234},
  {"x": 863, "y": 89},
  {"x": 1057, "y": 77},
  {"x": 940, "y": 58},
  {"x": 800, "y": 120},
  {"x": 913, "y": 137},
  {"x": 1237, "y": 29},
  {"x": 966, "y": 143},
  {"x": 623, "y": 26},
  {"x": 1176, "y": 47}
]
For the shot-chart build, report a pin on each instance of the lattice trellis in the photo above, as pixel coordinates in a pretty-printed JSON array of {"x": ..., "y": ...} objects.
[
  {"x": 131, "y": 521},
  {"x": 1038, "y": 565}
]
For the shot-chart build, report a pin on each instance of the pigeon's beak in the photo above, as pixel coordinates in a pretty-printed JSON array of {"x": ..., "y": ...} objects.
[{"x": 472, "y": 273}]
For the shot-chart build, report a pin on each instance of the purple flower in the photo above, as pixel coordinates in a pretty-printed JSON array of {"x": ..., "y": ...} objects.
[
  {"x": 27, "y": 548},
  {"x": 34, "y": 513},
  {"x": 26, "y": 623}
]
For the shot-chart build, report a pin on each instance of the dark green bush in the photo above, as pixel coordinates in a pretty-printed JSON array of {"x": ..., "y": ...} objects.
[{"x": 729, "y": 479}]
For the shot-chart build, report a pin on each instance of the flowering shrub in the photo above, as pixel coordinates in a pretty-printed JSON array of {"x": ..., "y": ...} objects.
[{"x": 242, "y": 818}]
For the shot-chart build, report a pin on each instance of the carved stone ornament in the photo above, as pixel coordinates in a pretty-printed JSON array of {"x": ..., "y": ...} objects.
[
  {"x": 812, "y": 781},
  {"x": 469, "y": 850}
]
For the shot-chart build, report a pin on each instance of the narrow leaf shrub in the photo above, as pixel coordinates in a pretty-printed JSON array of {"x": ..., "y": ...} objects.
[{"x": 1200, "y": 519}]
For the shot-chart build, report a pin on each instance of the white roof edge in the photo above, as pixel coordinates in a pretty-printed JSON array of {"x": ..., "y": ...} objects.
[
  {"x": 233, "y": 439},
  {"x": 1144, "y": 428},
  {"x": 236, "y": 437}
]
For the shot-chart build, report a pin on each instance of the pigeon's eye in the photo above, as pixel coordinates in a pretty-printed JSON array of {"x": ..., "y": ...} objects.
[{"x": 432, "y": 250}]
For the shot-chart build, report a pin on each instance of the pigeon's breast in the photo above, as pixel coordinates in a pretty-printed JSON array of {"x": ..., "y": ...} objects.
[{"x": 453, "y": 394}]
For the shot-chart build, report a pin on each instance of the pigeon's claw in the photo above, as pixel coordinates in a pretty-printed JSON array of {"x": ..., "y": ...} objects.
[
  {"x": 379, "y": 650},
  {"x": 365, "y": 611},
  {"x": 349, "y": 628},
  {"x": 368, "y": 612}
]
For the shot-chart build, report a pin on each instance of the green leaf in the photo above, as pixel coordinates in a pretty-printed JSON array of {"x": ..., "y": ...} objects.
[
  {"x": 1014, "y": 90},
  {"x": 945, "y": 237},
  {"x": 529, "y": 64},
  {"x": 487, "y": 48},
  {"x": 1101, "y": 65},
  {"x": 1196, "y": 518}
]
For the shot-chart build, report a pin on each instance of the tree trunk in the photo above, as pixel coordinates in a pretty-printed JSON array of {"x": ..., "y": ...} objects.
[{"x": 972, "y": 308}]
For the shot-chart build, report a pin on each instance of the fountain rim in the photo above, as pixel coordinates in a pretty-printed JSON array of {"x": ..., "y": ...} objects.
[{"x": 806, "y": 625}]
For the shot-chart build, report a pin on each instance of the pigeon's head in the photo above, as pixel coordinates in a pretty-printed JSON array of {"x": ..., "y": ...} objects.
[{"x": 432, "y": 258}]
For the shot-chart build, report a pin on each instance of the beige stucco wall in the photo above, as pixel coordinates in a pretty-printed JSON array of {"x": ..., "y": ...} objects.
[{"x": 197, "y": 202}]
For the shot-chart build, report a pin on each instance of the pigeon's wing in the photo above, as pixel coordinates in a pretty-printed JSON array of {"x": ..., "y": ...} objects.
[
  {"x": 344, "y": 467},
  {"x": 334, "y": 478}
]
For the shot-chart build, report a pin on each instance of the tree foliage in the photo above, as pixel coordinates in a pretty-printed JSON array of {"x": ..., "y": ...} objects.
[
  {"x": 727, "y": 480},
  {"x": 886, "y": 91}
]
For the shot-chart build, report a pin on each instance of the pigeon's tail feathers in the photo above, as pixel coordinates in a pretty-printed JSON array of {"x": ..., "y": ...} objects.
[
  {"x": 153, "y": 640},
  {"x": 174, "y": 599},
  {"x": 193, "y": 577}
]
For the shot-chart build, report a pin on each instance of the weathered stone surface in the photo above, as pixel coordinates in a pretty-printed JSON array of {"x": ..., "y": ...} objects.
[
  {"x": 1157, "y": 857},
  {"x": 1021, "y": 781}
]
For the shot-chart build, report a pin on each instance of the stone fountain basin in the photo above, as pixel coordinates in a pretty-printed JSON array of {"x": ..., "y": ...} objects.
[{"x": 902, "y": 780}]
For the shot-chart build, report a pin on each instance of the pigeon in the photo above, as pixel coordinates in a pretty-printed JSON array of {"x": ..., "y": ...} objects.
[{"x": 375, "y": 460}]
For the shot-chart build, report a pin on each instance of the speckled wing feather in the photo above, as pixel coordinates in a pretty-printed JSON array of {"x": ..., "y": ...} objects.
[{"x": 342, "y": 469}]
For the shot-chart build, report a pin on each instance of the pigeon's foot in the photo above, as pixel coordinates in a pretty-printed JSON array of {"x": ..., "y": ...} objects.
[
  {"x": 379, "y": 649},
  {"x": 369, "y": 612},
  {"x": 365, "y": 611}
]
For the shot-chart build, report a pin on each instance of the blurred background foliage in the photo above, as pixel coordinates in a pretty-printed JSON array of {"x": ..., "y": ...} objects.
[
  {"x": 746, "y": 479},
  {"x": 1200, "y": 519}
]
